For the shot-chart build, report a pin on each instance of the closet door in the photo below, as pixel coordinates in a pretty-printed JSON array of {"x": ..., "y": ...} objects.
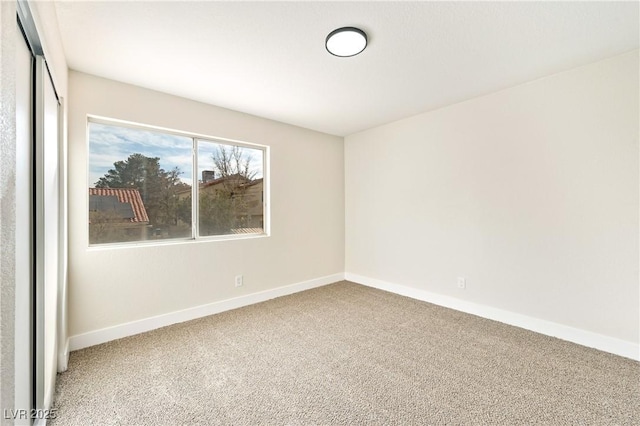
[
  {"x": 47, "y": 208},
  {"x": 24, "y": 229}
]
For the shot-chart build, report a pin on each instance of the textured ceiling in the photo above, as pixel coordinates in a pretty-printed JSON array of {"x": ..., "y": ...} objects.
[{"x": 269, "y": 59}]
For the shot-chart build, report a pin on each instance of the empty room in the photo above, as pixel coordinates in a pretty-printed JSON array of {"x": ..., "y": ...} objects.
[{"x": 319, "y": 213}]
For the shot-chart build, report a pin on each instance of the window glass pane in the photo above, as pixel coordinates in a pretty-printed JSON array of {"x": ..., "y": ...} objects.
[
  {"x": 139, "y": 184},
  {"x": 230, "y": 190}
]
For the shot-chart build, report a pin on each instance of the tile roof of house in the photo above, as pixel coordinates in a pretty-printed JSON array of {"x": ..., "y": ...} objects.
[
  {"x": 254, "y": 182},
  {"x": 222, "y": 179},
  {"x": 125, "y": 195},
  {"x": 215, "y": 181},
  {"x": 246, "y": 183}
]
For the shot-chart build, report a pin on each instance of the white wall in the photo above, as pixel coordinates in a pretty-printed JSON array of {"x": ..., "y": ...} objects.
[
  {"x": 111, "y": 287},
  {"x": 531, "y": 193}
]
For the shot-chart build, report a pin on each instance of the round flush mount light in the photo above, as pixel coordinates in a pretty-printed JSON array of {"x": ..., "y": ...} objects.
[{"x": 346, "y": 41}]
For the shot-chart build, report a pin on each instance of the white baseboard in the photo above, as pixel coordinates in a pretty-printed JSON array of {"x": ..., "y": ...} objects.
[
  {"x": 63, "y": 357},
  {"x": 571, "y": 334},
  {"x": 147, "y": 324}
]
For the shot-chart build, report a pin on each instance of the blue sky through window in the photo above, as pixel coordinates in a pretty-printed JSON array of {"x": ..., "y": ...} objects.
[{"x": 108, "y": 144}]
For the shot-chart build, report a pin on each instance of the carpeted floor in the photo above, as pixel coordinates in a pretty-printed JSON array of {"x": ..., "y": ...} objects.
[{"x": 346, "y": 354}]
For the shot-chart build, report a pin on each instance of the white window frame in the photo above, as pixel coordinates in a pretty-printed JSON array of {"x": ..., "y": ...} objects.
[{"x": 195, "y": 137}]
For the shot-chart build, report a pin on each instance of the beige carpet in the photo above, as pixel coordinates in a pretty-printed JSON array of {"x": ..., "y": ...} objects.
[{"x": 346, "y": 354}]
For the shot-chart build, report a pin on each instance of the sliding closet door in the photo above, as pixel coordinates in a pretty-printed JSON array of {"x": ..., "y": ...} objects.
[
  {"x": 47, "y": 234},
  {"x": 24, "y": 229}
]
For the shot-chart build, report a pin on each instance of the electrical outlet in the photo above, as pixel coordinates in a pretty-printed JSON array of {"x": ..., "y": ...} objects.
[
  {"x": 462, "y": 283},
  {"x": 239, "y": 281}
]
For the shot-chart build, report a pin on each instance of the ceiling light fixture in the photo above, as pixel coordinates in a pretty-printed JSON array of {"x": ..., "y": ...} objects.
[{"x": 346, "y": 41}]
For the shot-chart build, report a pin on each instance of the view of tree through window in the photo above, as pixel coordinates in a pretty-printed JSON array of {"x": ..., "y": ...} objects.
[
  {"x": 231, "y": 190},
  {"x": 140, "y": 186}
]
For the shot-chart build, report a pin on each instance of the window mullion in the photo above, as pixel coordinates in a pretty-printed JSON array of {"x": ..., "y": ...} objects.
[{"x": 194, "y": 192}]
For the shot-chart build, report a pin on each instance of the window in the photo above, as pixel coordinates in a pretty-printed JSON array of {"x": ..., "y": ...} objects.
[{"x": 147, "y": 184}]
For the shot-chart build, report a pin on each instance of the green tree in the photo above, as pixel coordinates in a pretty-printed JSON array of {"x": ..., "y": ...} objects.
[
  {"x": 158, "y": 188},
  {"x": 217, "y": 213}
]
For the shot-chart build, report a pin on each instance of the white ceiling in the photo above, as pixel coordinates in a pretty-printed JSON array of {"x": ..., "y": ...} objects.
[{"x": 269, "y": 59}]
